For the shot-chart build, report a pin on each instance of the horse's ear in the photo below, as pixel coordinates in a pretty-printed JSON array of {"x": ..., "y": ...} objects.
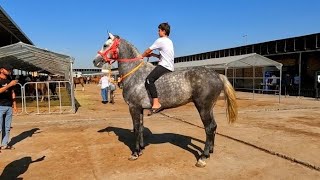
[{"x": 111, "y": 36}]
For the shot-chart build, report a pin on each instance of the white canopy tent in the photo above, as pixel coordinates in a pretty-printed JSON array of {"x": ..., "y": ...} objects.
[
  {"x": 235, "y": 62},
  {"x": 31, "y": 58}
]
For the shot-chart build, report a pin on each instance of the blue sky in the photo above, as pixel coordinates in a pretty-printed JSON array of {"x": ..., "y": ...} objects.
[{"x": 79, "y": 28}]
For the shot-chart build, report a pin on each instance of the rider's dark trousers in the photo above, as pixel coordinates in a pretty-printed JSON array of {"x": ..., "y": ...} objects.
[{"x": 157, "y": 72}]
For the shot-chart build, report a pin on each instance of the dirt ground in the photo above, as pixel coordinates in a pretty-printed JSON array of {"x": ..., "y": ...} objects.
[{"x": 95, "y": 142}]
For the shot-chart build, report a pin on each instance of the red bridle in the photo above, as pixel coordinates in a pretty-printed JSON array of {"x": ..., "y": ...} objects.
[{"x": 113, "y": 52}]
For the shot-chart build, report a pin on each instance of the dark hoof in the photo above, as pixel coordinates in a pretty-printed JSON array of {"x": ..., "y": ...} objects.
[{"x": 150, "y": 113}]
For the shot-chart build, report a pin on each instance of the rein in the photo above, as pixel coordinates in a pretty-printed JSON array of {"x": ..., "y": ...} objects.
[
  {"x": 113, "y": 51},
  {"x": 131, "y": 72}
]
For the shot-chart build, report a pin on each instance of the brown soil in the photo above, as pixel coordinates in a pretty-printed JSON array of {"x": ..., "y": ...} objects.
[{"x": 95, "y": 142}]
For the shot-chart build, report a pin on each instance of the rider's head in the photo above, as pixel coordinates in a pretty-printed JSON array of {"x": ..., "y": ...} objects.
[{"x": 164, "y": 28}]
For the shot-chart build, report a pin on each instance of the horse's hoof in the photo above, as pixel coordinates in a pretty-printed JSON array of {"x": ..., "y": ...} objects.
[
  {"x": 201, "y": 163},
  {"x": 133, "y": 158}
]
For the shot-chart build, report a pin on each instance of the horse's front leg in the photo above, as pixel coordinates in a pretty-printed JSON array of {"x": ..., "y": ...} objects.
[{"x": 137, "y": 119}]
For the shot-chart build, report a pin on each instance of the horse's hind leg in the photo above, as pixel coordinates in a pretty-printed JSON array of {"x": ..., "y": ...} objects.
[
  {"x": 210, "y": 126},
  {"x": 137, "y": 118}
]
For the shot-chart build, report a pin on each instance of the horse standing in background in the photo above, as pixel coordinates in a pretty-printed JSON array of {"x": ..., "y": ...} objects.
[
  {"x": 199, "y": 85},
  {"x": 40, "y": 87},
  {"x": 95, "y": 79},
  {"x": 78, "y": 80},
  {"x": 53, "y": 89}
]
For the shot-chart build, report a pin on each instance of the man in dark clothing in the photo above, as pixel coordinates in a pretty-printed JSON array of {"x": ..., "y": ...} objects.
[{"x": 7, "y": 102}]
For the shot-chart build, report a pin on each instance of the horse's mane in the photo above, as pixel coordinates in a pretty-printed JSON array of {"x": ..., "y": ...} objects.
[{"x": 127, "y": 49}]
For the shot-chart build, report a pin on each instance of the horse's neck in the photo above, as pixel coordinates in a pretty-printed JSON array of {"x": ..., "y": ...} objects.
[{"x": 127, "y": 51}]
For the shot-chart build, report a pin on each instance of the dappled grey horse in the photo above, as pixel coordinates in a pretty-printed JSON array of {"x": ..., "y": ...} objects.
[{"x": 199, "y": 85}]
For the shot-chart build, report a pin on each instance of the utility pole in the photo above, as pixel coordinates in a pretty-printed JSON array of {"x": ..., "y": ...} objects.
[{"x": 245, "y": 39}]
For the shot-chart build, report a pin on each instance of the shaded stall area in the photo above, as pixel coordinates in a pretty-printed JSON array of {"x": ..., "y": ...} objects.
[
  {"x": 50, "y": 93},
  {"x": 246, "y": 72}
]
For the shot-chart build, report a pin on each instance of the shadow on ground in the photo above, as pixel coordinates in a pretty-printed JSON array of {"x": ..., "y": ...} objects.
[
  {"x": 23, "y": 136},
  {"x": 18, "y": 167},
  {"x": 184, "y": 142}
]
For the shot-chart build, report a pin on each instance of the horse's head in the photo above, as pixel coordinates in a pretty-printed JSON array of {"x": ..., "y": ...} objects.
[
  {"x": 109, "y": 50},
  {"x": 113, "y": 50}
]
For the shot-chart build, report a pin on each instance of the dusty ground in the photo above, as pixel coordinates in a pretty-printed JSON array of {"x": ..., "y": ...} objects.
[{"x": 95, "y": 142}]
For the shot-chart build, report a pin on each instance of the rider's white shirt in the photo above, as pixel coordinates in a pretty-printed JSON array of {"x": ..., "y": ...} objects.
[{"x": 165, "y": 47}]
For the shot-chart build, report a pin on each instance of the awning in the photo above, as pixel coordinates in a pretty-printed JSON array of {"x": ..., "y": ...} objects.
[
  {"x": 9, "y": 28},
  {"x": 241, "y": 61},
  {"x": 30, "y": 58}
]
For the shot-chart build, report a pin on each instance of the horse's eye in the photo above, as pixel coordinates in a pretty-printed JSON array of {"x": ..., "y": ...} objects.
[{"x": 105, "y": 45}]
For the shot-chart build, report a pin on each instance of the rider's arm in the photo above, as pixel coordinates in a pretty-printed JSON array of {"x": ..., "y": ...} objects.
[{"x": 147, "y": 53}]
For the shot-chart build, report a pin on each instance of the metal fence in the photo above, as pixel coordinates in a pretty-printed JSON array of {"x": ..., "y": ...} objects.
[{"x": 49, "y": 97}]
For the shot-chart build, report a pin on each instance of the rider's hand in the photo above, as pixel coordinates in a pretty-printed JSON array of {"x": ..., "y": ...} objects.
[
  {"x": 150, "y": 54},
  {"x": 155, "y": 55},
  {"x": 140, "y": 56}
]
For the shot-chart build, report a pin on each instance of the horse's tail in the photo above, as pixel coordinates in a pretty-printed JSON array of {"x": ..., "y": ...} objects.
[{"x": 230, "y": 97}]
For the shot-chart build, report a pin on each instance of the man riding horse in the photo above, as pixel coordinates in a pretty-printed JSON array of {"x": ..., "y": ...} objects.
[
  {"x": 166, "y": 57},
  {"x": 199, "y": 85}
]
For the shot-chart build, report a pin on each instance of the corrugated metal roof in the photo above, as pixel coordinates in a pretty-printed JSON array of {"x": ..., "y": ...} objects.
[
  {"x": 10, "y": 26},
  {"x": 241, "y": 61},
  {"x": 30, "y": 58}
]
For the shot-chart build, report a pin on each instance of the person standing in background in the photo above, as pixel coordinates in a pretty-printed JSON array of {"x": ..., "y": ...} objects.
[
  {"x": 104, "y": 83},
  {"x": 7, "y": 104}
]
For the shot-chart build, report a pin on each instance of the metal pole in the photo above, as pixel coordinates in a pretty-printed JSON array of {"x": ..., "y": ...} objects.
[
  {"x": 49, "y": 104},
  {"x": 280, "y": 83},
  {"x": 245, "y": 39},
  {"x": 37, "y": 96},
  {"x": 235, "y": 74},
  {"x": 59, "y": 85},
  {"x": 253, "y": 81},
  {"x": 72, "y": 87},
  {"x": 233, "y": 77},
  {"x": 25, "y": 98},
  {"x": 299, "y": 74}
]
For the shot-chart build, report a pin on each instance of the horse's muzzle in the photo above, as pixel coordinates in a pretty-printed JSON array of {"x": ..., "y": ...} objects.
[{"x": 98, "y": 62}]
